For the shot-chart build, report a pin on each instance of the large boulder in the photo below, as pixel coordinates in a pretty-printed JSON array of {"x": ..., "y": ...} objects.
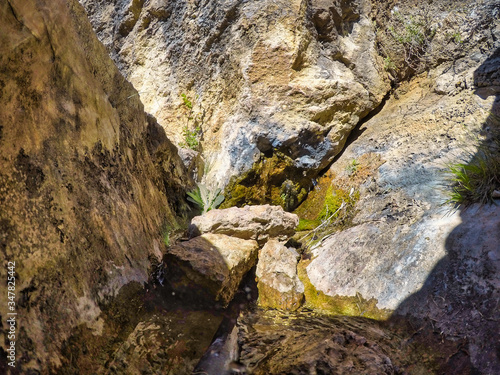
[
  {"x": 277, "y": 280},
  {"x": 286, "y": 77},
  {"x": 211, "y": 265},
  {"x": 258, "y": 223}
]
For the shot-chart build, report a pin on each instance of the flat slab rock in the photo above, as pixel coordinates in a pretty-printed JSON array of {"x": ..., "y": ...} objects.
[
  {"x": 211, "y": 263},
  {"x": 250, "y": 223}
]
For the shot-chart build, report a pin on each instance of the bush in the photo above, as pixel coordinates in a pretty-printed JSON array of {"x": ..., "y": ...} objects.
[{"x": 414, "y": 33}]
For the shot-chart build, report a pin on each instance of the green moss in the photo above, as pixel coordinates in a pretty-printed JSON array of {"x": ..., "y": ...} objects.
[
  {"x": 339, "y": 305},
  {"x": 274, "y": 180},
  {"x": 312, "y": 206},
  {"x": 305, "y": 224},
  {"x": 334, "y": 200}
]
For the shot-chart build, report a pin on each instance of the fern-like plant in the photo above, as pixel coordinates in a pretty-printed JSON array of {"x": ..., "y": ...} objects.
[{"x": 205, "y": 199}]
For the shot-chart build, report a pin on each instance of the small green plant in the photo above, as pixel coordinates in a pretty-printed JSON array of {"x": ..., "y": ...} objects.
[
  {"x": 206, "y": 199},
  {"x": 191, "y": 138},
  {"x": 166, "y": 238},
  {"x": 476, "y": 180},
  {"x": 186, "y": 101},
  {"x": 193, "y": 121},
  {"x": 456, "y": 37},
  {"x": 352, "y": 167},
  {"x": 389, "y": 64}
]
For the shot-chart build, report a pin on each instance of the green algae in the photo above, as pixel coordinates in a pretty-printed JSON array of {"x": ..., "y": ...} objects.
[
  {"x": 306, "y": 225},
  {"x": 272, "y": 180},
  {"x": 339, "y": 305}
]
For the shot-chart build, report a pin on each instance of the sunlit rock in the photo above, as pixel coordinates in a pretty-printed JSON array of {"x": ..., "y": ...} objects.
[
  {"x": 268, "y": 76},
  {"x": 258, "y": 223},
  {"x": 277, "y": 280}
]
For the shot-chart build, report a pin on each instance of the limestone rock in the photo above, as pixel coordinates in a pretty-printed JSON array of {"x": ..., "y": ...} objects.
[
  {"x": 277, "y": 280},
  {"x": 258, "y": 223},
  {"x": 283, "y": 76},
  {"x": 406, "y": 251},
  {"x": 84, "y": 179},
  {"x": 212, "y": 264}
]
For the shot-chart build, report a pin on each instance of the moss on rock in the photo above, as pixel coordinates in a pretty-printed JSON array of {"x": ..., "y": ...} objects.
[
  {"x": 274, "y": 180},
  {"x": 339, "y": 305},
  {"x": 269, "y": 297}
]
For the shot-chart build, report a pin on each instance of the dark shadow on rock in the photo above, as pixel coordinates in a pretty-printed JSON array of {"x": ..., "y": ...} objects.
[{"x": 460, "y": 299}]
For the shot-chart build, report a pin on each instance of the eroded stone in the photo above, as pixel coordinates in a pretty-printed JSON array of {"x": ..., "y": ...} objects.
[
  {"x": 277, "y": 280},
  {"x": 258, "y": 223},
  {"x": 212, "y": 264}
]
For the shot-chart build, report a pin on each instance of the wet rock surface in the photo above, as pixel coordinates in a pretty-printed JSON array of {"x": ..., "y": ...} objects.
[
  {"x": 304, "y": 342},
  {"x": 144, "y": 331}
]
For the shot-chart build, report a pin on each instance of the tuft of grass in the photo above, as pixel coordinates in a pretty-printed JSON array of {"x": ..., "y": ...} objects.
[{"x": 476, "y": 180}]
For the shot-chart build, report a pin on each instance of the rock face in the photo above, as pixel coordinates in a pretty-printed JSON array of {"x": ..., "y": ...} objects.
[
  {"x": 84, "y": 179},
  {"x": 211, "y": 263},
  {"x": 283, "y": 79},
  {"x": 406, "y": 252},
  {"x": 402, "y": 230},
  {"x": 277, "y": 280},
  {"x": 258, "y": 223}
]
